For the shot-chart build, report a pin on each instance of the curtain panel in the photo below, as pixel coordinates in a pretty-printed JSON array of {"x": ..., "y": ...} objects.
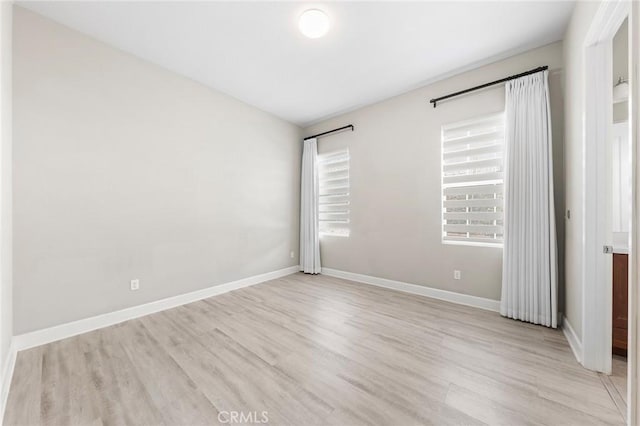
[
  {"x": 309, "y": 225},
  {"x": 529, "y": 270}
]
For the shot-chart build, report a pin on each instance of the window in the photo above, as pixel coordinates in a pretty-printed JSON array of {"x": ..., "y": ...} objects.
[
  {"x": 472, "y": 181},
  {"x": 333, "y": 169}
]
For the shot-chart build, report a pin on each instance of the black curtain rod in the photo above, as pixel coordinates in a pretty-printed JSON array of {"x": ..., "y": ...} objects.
[
  {"x": 502, "y": 80},
  {"x": 331, "y": 131}
]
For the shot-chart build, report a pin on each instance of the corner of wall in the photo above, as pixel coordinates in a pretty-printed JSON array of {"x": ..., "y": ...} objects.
[
  {"x": 573, "y": 44},
  {"x": 572, "y": 338},
  {"x": 7, "y": 351}
]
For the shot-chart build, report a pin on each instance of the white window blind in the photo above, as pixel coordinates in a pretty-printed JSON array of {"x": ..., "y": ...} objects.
[
  {"x": 472, "y": 181},
  {"x": 333, "y": 169}
]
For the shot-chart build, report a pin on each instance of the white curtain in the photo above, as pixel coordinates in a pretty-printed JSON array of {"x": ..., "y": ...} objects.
[
  {"x": 309, "y": 233},
  {"x": 529, "y": 270}
]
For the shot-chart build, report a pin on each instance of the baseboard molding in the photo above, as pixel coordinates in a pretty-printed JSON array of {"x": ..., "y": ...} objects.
[
  {"x": 572, "y": 338},
  {"x": 7, "y": 376},
  {"x": 59, "y": 332},
  {"x": 434, "y": 293}
]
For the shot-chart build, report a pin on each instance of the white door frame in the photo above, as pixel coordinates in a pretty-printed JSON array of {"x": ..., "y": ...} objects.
[
  {"x": 633, "y": 396},
  {"x": 596, "y": 267}
]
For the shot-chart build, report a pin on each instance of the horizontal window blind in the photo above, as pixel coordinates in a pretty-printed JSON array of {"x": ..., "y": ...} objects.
[
  {"x": 472, "y": 180},
  {"x": 333, "y": 169}
]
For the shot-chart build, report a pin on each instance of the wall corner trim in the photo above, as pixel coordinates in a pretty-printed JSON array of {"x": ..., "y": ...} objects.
[
  {"x": 572, "y": 338},
  {"x": 62, "y": 331},
  {"x": 6, "y": 377},
  {"x": 434, "y": 293}
]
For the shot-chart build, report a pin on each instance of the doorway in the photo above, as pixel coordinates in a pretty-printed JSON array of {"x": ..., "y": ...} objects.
[
  {"x": 609, "y": 190},
  {"x": 621, "y": 166}
]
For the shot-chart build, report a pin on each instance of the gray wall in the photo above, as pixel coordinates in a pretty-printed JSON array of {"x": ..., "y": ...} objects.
[
  {"x": 583, "y": 14},
  {"x": 125, "y": 170},
  {"x": 6, "y": 301},
  {"x": 395, "y": 179}
]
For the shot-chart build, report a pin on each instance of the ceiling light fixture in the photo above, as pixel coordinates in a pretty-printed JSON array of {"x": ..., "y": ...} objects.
[
  {"x": 313, "y": 23},
  {"x": 621, "y": 91}
]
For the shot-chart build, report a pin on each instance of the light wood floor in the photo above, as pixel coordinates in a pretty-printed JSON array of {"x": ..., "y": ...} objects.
[
  {"x": 311, "y": 350},
  {"x": 616, "y": 383}
]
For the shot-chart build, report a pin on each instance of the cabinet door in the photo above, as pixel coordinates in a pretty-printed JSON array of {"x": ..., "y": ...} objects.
[{"x": 620, "y": 297}]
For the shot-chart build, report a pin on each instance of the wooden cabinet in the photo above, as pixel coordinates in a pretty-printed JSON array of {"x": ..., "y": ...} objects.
[{"x": 620, "y": 303}]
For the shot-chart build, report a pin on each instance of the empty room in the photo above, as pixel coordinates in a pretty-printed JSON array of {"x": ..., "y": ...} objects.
[{"x": 319, "y": 213}]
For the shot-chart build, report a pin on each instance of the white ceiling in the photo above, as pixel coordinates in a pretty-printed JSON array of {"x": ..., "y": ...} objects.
[{"x": 374, "y": 50}]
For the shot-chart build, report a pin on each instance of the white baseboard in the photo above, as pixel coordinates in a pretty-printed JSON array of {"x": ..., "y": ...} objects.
[
  {"x": 572, "y": 338},
  {"x": 5, "y": 379},
  {"x": 434, "y": 293},
  {"x": 51, "y": 334}
]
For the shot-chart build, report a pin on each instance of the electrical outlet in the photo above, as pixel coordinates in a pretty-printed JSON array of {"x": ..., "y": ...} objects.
[
  {"x": 135, "y": 285},
  {"x": 292, "y": 255},
  {"x": 457, "y": 275}
]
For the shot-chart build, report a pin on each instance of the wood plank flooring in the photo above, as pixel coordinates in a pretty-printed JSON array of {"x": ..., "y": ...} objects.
[
  {"x": 616, "y": 383},
  {"x": 310, "y": 350}
]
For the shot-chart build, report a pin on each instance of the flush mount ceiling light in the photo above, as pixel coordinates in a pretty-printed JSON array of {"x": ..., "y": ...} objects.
[{"x": 313, "y": 23}]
